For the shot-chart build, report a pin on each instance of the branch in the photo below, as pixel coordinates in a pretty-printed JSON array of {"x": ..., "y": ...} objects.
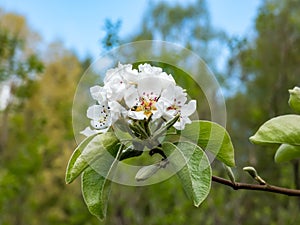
[{"x": 258, "y": 187}]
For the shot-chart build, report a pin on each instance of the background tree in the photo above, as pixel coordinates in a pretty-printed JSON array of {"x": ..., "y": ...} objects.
[
  {"x": 19, "y": 65},
  {"x": 36, "y": 129},
  {"x": 188, "y": 25},
  {"x": 265, "y": 66},
  {"x": 111, "y": 38}
]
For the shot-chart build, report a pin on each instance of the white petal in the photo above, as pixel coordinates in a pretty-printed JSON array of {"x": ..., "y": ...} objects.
[
  {"x": 185, "y": 120},
  {"x": 88, "y": 131},
  {"x": 147, "y": 69},
  {"x": 131, "y": 97},
  {"x": 180, "y": 100},
  {"x": 115, "y": 88},
  {"x": 149, "y": 87},
  {"x": 100, "y": 125},
  {"x": 180, "y": 94},
  {"x": 180, "y": 125},
  {"x": 125, "y": 72},
  {"x": 112, "y": 73},
  {"x": 160, "y": 106},
  {"x": 98, "y": 93},
  {"x": 116, "y": 111},
  {"x": 168, "y": 79},
  {"x": 152, "y": 79},
  {"x": 189, "y": 109},
  {"x": 168, "y": 95},
  {"x": 136, "y": 115},
  {"x": 130, "y": 75},
  {"x": 115, "y": 106},
  {"x": 170, "y": 114},
  {"x": 157, "y": 114},
  {"x": 94, "y": 112}
]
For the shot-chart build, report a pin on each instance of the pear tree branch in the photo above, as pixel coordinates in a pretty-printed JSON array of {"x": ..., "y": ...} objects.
[{"x": 258, "y": 187}]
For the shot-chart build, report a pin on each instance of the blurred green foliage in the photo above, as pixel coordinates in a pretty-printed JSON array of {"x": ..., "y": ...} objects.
[{"x": 36, "y": 137}]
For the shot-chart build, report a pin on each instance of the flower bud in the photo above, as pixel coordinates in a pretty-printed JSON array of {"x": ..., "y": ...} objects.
[
  {"x": 146, "y": 172},
  {"x": 294, "y": 100}
]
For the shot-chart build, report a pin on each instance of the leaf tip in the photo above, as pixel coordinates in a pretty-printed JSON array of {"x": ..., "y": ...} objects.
[
  {"x": 252, "y": 138},
  {"x": 68, "y": 179},
  {"x": 68, "y": 182},
  {"x": 97, "y": 211},
  {"x": 197, "y": 204},
  {"x": 100, "y": 217},
  {"x": 231, "y": 164}
]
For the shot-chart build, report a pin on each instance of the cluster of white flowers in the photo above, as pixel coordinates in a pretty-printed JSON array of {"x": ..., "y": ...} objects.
[{"x": 136, "y": 95}]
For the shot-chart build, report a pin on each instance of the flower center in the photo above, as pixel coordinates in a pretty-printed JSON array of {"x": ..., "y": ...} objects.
[
  {"x": 175, "y": 106},
  {"x": 147, "y": 106},
  {"x": 103, "y": 117}
]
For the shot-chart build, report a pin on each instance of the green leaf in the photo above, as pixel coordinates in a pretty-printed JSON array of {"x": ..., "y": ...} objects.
[
  {"x": 193, "y": 168},
  {"x": 286, "y": 153},
  {"x": 279, "y": 130},
  {"x": 96, "y": 183},
  {"x": 209, "y": 136},
  {"x": 294, "y": 100},
  {"x": 75, "y": 155},
  {"x": 88, "y": 152}
]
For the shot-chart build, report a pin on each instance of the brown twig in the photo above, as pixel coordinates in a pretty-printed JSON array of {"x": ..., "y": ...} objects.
[{"x": 257, "y": 187}]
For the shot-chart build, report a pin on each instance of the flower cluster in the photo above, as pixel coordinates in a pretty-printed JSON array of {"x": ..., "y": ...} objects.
[{"x": 138, "y": 95}]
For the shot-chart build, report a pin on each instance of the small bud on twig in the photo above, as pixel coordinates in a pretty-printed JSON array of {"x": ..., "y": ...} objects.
[{"x": 254, "y": 174}]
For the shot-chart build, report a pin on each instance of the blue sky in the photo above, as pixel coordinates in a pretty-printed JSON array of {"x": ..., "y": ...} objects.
[{"x": 79, "y": 23}]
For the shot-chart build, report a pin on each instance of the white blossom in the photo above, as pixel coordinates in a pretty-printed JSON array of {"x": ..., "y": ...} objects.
[
  {"x": 137, "y": 95},
  {"x": 100, "y": 119},
  {"x": 142, "y": 100},
  {"x": 173, "y": 100}
]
